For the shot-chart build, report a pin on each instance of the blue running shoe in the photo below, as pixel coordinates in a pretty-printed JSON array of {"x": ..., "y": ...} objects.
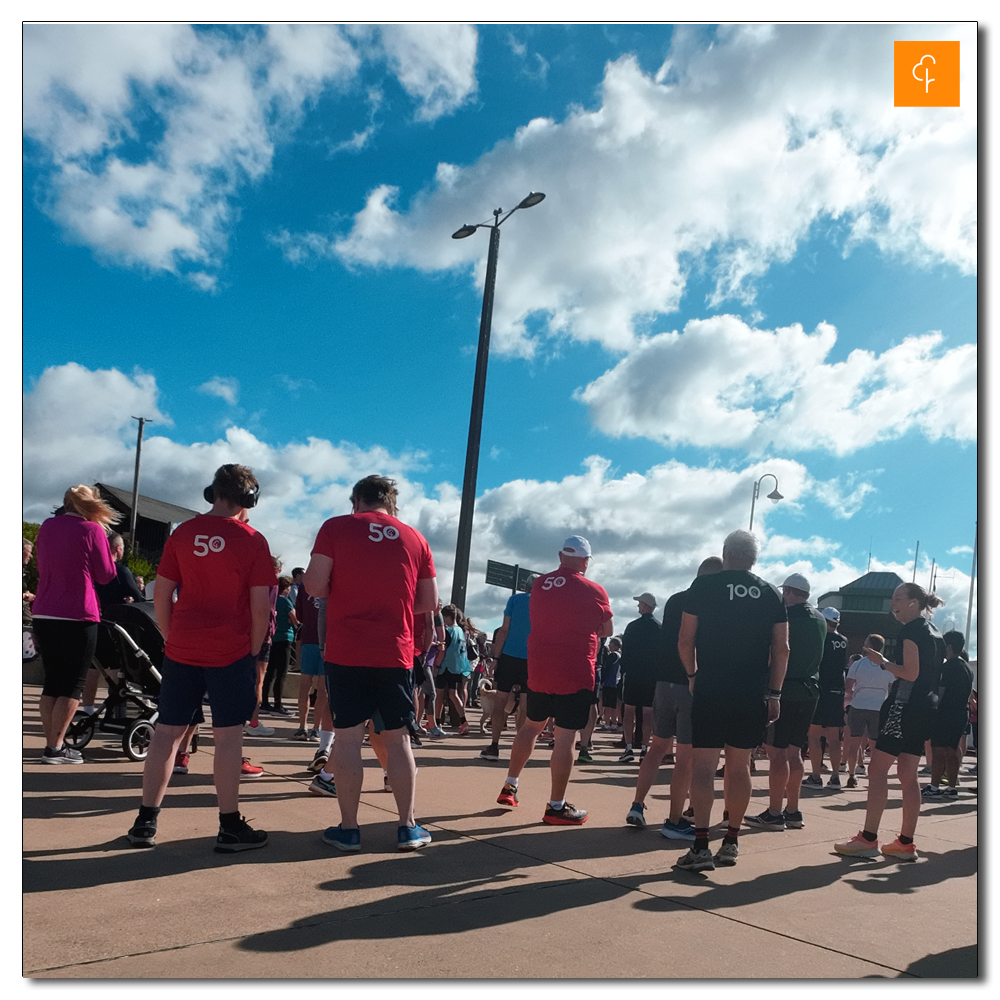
[
  {"x": 344, "y": 840},
  {"x": 681, "y": 830},
  {"x": 636, "y": 815},
  {"x": 411, "y": 838}
]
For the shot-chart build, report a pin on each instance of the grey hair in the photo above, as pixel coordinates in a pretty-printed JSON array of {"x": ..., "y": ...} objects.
[{"x": 740, "y": 549}]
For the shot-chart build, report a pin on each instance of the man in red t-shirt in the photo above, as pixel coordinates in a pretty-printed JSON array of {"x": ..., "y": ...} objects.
[
  {"x": 376, "y": 573},
  {"x": 221, "y": 569},
  {"x": 569, "y": 615}
]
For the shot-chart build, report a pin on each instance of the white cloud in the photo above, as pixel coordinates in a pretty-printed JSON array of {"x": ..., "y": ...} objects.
[
  {"x": 960, "y": 550},
  {"x": 649, "y": 530},
  {"x": 722, "y": 383},
  {"x": 227, "y": 389},
  {"x": 724, "y": 160}
]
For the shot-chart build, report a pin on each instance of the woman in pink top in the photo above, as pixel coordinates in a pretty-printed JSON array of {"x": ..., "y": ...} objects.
[{"x": 73, "y": 554}]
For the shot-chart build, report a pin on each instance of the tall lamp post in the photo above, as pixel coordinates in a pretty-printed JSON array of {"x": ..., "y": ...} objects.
[
  {"x": 461, "y": 577},
  {"x": 774, "y": 496}
]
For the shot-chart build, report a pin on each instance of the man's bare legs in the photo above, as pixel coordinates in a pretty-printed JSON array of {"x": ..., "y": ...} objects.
[
  {"x": 704, "y": 763},
  {"x": 349, "y": 769},
  {"x": 402, "y": 771}
]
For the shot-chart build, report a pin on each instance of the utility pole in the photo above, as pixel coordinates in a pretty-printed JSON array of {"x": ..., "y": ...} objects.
[
  {"x": 915, "y": 554},
  {"x": 972, "y": 586},
  {"x": 135, "y": 485}
]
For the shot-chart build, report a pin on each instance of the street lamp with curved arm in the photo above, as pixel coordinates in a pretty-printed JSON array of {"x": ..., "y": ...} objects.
[
  {"x": 774, "y": 496},
  {"x": 460, "y": 579}
]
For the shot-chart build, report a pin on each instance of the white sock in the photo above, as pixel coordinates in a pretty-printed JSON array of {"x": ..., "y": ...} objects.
[
  {"x": 326, "y": 775},
  {"x": 557, "y": 805},
  {"x": 325, "y": 740},
  {"x": 511, "y": 780}
]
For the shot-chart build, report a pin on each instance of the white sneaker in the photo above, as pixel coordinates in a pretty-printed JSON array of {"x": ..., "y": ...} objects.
[{"x": 259, "y": 730}]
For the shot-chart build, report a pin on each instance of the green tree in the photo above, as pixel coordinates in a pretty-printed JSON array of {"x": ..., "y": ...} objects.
[{"x": 30, "y": 532}]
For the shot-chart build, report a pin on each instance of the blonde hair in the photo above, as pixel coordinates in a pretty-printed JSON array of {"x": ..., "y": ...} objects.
[{"x": 88, "y": 504}]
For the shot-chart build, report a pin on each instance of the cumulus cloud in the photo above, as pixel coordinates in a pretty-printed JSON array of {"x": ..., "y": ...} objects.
[
  {"x": 206, "y": 107},
  {"x": 724, "y": 160},
  {"x": 227, "y": 389},
  {"x": 649, "y": 530},
  {"x": 723, "y": 383}
]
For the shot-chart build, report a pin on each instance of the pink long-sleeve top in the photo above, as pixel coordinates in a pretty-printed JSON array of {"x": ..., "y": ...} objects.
[{"x": 73, "y": 555}]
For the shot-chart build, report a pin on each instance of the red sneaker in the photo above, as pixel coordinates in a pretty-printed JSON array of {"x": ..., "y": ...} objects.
[
  {"x": 181, "y": 762},
  {"x": 857, "y": 847},
  {"x": 569, "y": 815},
  {"x": 248, "y": 770},
  {"x": 508, "y": 796},
  {"x": 900, "y": 852},
  {"x": 463, "y": 729}
]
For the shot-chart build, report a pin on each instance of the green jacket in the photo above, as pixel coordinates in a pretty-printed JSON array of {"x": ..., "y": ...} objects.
[{"x": 806, "y": 641}]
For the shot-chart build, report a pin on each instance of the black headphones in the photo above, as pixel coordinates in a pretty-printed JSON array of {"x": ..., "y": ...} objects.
[{"x": 247, "y": 500}]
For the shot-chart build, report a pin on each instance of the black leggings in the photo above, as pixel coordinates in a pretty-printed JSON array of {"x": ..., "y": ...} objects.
[
  {"x": 277, "y": 667},
  {"x": 67, "y": 649}
]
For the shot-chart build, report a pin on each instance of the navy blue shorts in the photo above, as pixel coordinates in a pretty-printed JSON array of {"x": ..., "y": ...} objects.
[
  {"x": 232, "y": 692},
  {"x": 568, "y": 711},
  {"x": 382, "y": 694}
]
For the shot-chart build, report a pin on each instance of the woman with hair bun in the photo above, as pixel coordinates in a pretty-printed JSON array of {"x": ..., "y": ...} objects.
[
  {"x": 905, "y": 722},
  {"x": 73, "y": 555}
]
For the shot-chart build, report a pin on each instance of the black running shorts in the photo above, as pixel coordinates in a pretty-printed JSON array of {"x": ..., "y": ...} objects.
[
  {"x": 730, "y": 718},
  {"x": 382, "y": 694},
  {"x": 510, "y": 672},
  {"x": 570, "y": 711},
  {"x": 830, "y": 710},
  {"x": 792, "y": 726}
]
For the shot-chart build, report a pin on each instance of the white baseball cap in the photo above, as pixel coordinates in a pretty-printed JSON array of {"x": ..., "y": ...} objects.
[
  {"x": 646, "y": 598},
  {"x": 797, "y": 582},
  {"x": 576, "y": 545},
  {"x": 830, "y": 614}
]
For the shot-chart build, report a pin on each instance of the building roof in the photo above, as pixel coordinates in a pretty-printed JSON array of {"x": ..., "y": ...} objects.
[
  {"x": 148, "y": 507},
  {"x": 874, "y": 581}
]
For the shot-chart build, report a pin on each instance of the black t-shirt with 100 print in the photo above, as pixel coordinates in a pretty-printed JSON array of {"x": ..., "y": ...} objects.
[{"x": 736, "y": 613}]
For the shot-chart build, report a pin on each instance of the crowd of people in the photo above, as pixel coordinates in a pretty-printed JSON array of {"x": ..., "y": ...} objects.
[{"x": 736, "y": 668}]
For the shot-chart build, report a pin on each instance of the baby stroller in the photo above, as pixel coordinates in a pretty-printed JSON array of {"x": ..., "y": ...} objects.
[{"x": 129, "y": 653}]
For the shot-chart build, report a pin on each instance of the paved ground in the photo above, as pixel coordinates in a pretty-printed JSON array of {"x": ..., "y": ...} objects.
[{"x": 598, "y": 901}]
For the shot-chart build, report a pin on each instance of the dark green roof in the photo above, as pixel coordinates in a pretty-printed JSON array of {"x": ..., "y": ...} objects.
[
  {"x": 886, "y": 582},
  {"x": 154, "y": 510}
]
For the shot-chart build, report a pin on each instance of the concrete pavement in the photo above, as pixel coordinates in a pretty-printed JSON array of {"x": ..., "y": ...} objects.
[{"x": 598, "y": 901}]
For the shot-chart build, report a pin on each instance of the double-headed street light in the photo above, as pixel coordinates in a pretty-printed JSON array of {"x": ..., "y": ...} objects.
[
  {"x": 461, "y": 577},
  {"x": 774, "y": 496}
]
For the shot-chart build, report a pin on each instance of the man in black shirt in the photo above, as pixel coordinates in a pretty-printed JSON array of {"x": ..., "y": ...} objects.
[
  {"x": 828, "y": 720},
  {"x": 734, "y": 647},
  {"x": 799, "y": 694},
  {"x": 640, "y": 650},
  {"x": 950, "y": 719},
  {"x": 671, "y": 718}
]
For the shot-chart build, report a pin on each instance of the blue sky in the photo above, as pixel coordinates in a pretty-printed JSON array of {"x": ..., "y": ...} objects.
[{"x": 747, "y": 262}]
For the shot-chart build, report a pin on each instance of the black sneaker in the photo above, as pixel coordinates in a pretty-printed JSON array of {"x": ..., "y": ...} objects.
[
  {"x": 696, "y": 861},
  {"x": 793, "y": 820},
  {"x": 142, "y": 834},
  {"x": 569, "y": 815},
  {"x": 766, "y": 821},
  {"x": 64, "y": 755},
  {"x": 242, "y": 837},
  {"x": 490, "y": 753}
]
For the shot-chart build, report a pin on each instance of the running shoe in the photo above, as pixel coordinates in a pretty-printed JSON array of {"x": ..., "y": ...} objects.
[
  {"x": 265, "y": 708},
  {"x": 463, "y": 730},
  {"x": 320, "y": 786},
  {"x": 437, "y": 732},
  {"x": 899, "y": 851},
  {"x": 931, "y": 793},
  {"x": 240, "y": 837},
  {"x": 279, "y": 710},
  {"x": 696, "y": 861},
  {"x": 259, "y": 730},
  {"x": 688, "y": 813},
  {"x": 857, "y": 847},
  {"x": 343, "y": 840},
  {"x": 974, "y": 769},
  {"x": 861, "y": 769},
  {"x": 681, "y": 830},
  {"x": 314, "y": 734},
  {"x": 64, "y": 755},
  {"x": 412, "y": 838},
  {"x": 627, "y": 757},
  {"x": 852, "y": 782},
  {"x": 181, "y": 761},
  {"x": 949, "y": 793},
  {"x": 793, "y": 820},
  {"x": 569, "y": 815},
  {"x": 925, "y": 770},
  {"x": 301, "y": 735},
  {"x": 584, "y": 757},
  {"x": 642, "y": 754},
  {"x": 318, "y": 762},
  {"x": 508, "y": 796},
  {"x": 813, "y": 781},
  {"x": 248, "y": 770},
  {"x": 386, "y": 787},
  {"x": 142, "y": 834},
  {"x": 834, "y": 784},
  {"x": 766, "y": 820},
  {"x": 636, "y": 816},
  {"x": 727, "y": 854},
  {"x": 490, "y": 753}
]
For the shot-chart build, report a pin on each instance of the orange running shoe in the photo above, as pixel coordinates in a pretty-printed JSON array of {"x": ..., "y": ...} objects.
[
  {"x": 857, "y": 847},
  {"x": 900, "y": 852},
  {"x": 508, "y": 796},
  {"x": 248, "y": 770}
]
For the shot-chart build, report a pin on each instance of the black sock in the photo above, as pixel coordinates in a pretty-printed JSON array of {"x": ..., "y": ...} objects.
[
  {"x": 229, "y": 821},
  {"x": 868, "y": 835},
  {"x": 461, "y": 721},
  {"x": 148, "y": 814},
  {"x": 732, "y": 835},
  {"x": 700, "y": 839},
  {"x": 905, "y": 840}
]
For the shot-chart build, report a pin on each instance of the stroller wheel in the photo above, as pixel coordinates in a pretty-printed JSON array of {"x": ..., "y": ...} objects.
[
  {"x": 136, "y": 740},
  {"x": 80, "y": 732}
]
